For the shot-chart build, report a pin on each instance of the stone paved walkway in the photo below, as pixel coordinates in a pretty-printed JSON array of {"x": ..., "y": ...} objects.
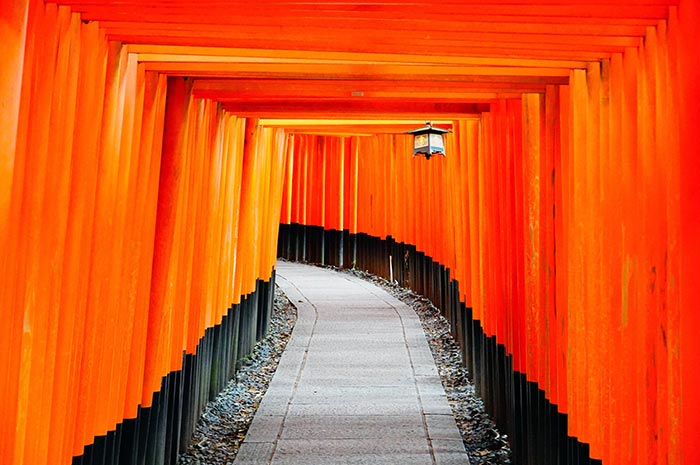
[{"x": 356, "y": 385}]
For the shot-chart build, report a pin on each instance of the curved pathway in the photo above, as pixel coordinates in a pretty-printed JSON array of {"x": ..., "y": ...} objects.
[{"x": 356, "y": 385}]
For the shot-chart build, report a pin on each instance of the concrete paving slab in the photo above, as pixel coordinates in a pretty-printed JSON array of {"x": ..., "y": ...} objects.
[
  {"x": 274, "y": 408},
  {"x": 351, "y": 447},
  {"x": 429, "y": 381},
  {"x": 255, "y": 453},
  {"x": 426, "y": 390},
  {"x": 376, "y": 342},
  {"x": 266, "y": 428},
  {"x": 352, "y": 364},
  {"x": 436, "y": 407},
  {"x": 305, "y": 394},
  {"x": 442, "y": 427},
  {"x": 351, "y": 452},
  {"x": 354, "y": 427},
  {"x": 449, "y": 452},
  {"x": 359, "y": 380},
  {"x": 425, "y": 369},
  {"x": 318, "y": 379},
  {"x": 357, "y": 371},
  {"x": 356, "y": 385},
  {"x": 367, "y": 342},
  {"x": 358, "y": 354},
  {"x": 354, "y": 408},
  {"x": 420, "y": 354}
]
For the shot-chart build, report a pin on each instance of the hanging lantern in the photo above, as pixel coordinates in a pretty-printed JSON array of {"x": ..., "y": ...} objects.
[{"x": 428, "y": 141}]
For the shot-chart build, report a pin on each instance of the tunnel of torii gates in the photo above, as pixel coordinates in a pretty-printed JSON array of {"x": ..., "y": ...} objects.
[{"x": 157, "y": 157}]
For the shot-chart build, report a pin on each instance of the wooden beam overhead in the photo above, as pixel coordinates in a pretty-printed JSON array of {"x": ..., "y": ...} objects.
[
  {"x": 357, "y": 59},
  {"x": 500, "y": 53},
  {"x": 570, "y": 49},
  {"x": 247, "y": 89},
  {"x": 397, "y": 58},
  {"x": 362, "y": 19},
  {"x": 352, "y": 127},
  {"x": 366, "y": 72},
  {"x": 364, "y": 38},
  {"x": 360, "y": 71},
  {"x": 344, "y": 26},
  {"x": 630, "y": 9},
  {"x": 306, "y": 123},
  {"x": 344, "y": 109}
]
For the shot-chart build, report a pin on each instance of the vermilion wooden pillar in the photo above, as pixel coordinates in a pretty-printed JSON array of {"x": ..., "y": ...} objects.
[
  {"x": 13, "y": 28},
  {"x": 688, "y": 79},
  {"x": 172, "y": 166},
  {"x": 570, "y": 218}
]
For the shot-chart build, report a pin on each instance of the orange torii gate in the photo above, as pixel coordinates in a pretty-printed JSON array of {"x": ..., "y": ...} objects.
[{"x": 149, "y": 150}]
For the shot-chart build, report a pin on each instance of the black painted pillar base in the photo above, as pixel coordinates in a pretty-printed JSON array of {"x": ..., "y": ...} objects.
[
  {"x": 161, "y": 431},
  {"x": 537, "y": 431}
]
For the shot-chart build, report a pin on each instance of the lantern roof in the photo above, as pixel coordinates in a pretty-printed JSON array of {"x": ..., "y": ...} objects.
[{"x": 428, "y": 128}]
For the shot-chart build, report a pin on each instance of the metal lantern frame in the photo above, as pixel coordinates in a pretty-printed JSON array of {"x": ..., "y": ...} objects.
[{"x": 428, "y": 141}]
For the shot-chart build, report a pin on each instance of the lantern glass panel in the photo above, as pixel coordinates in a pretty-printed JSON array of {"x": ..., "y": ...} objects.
[
  {"x": 420, "y": 140},
  {"x": 436, "y": 142}
]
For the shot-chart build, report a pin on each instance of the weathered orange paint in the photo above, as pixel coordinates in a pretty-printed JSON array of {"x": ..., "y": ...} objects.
[
  {"x": 567, "y": 211},
  {"x": 572, "y": 241},
  {"x": 84, "y": 345}
]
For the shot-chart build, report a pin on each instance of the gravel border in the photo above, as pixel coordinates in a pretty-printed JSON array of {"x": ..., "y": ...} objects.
[{"x": 226, "y": 419}]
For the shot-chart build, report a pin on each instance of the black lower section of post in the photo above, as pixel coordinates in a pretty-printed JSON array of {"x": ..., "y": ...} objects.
[
  {"x": 537, "y": 431},
  {"x": 160, "y": 432}
]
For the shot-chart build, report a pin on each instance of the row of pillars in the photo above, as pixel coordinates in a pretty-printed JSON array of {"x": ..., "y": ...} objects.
[{"x": 538, "y": 433}]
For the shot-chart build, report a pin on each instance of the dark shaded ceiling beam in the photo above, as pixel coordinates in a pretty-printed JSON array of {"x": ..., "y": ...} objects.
[
  {"x": 340, "y": 59},
  {"x": 355, "y": 109},
  {"x": 367, "y": 72},
  {"x": 631, "y": 9},
  {"x": 215, "y": 55},
  {"x": 338, "y": 35},
  {"x": 240, "y": 89},
  {"x": 454, "y": 21},
  {"x": 546, "y": 57},
  {"x": 358, "y": 26},
  {"x": 280, "y": 42}
]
